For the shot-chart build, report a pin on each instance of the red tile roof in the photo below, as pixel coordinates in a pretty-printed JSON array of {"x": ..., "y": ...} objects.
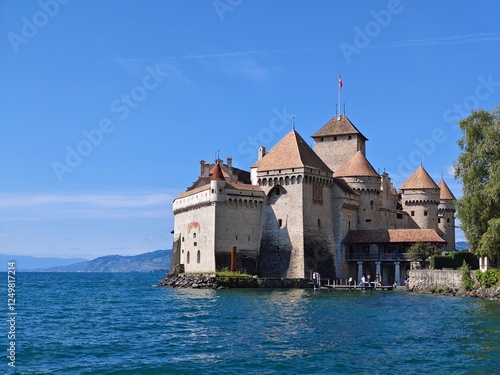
[
  {"x": 420, "y": 179},
  {"x": 392, "y": 236},
  {"x": 356, "y": 166},
  {"x": 338, "y": 127},
  {"x": 217, "y": 175},
  {"x": 291, "y": 152},
  {"x": 445, "y": 193}
]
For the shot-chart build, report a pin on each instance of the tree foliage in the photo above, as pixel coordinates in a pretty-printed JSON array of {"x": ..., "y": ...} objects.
[
  {"x": 421, "y": 251},
  {"x": 489, "y": 244},
  {"x": 478, "y": 168}
]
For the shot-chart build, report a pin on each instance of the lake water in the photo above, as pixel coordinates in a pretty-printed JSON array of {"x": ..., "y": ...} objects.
[{"x": 95, "y": 323}]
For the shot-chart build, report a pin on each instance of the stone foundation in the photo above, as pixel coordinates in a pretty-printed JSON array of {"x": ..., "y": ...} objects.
[{"x": 220, "y": 282}]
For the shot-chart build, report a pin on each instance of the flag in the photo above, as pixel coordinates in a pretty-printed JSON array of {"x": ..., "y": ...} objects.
[{"x": 340, "y": 82}]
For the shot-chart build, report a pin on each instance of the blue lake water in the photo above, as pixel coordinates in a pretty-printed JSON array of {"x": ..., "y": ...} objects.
[{"x": 96, "y": 323}]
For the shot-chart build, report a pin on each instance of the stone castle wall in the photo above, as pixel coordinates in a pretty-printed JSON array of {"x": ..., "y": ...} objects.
[
  {"x": 319, "y": 254},
  {"x": 335, "y": 151},
  {"x": 238, "y": 223},
  {"x": 282, "y": 246},
  {"x": 422, "y": 206},
  {"x": 196, "y": 240}
]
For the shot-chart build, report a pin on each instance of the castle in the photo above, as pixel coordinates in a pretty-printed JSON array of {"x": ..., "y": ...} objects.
[{"x": 301, "y": 210}]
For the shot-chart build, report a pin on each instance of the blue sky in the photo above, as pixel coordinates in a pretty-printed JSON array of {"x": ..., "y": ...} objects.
[{"x": 107, "y": 107}]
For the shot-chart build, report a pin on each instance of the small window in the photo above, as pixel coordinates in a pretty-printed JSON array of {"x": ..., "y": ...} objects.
[
  {"x": 319, "y": 223},
  {"x": 182, "y": 239},
  {"x": 334, "y": 138},
  {"x": 196, "y": 244},
  {"x": 448, "y": 220},
  {"x": 399, "y": 216},
  {"x": 322, "y": 139},
  {"x": 371, "y": 203},
  {"x": 280, "y": 222},
  {"x": 368, "y": 220},
  {"x": 194, "y": 235},
  {"x": 188, "y": 258},
  {"x": 426, "y": 213},
  {"x": 236, "y": 237},
  {"x": 413, "y": 213},
  {"x": 349, "y": 137},
  {"x": 278, "y": 191},
  {"x": 198, "y": 257}
]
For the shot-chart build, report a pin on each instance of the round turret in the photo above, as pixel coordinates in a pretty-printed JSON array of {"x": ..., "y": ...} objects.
[
  {"x": 217, "y": 185},
  {"x": 420, "y": 199},
  {"x": 446, "y": 215},
  {"x": 358, "y": 173}
]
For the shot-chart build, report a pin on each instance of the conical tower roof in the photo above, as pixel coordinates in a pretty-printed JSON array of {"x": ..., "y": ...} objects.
[
  {"x": 420, "y": 179},
  {"x": 290, "y": 152},
  {"x": 356, "y": 166},
  {"x": 338, "y": 125},
  {"x": 217, "y": 174},
  {"x": 445, "y": 194}
]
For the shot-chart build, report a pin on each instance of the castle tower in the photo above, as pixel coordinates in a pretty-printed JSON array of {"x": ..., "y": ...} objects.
[
  {"x": 297, "y": 225},
  {"x": 337, "y": 141},
  {"x": 217, "y": 185},
  {"x": 359, "y": 174},
  {"x": 420, "y": 199},
  {"x": 446, "y": 215}
]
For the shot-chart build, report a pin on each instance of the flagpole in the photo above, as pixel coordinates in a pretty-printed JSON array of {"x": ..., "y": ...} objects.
[{"x": 339, "y": 98}]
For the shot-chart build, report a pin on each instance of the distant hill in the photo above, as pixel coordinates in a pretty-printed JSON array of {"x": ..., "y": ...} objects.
[
  {"x": 158, "y": 260},
  {"x": 24, "y": 262},
  {"x": 461, "y": 245}
]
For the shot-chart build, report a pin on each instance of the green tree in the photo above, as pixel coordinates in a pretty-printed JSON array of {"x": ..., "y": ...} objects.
[
  {"x": 421, "y": 251},
  {"x": 478, "y": 168},
  {"x": 489, "y": 245}
]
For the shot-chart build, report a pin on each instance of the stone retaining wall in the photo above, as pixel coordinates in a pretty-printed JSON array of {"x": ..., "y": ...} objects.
[
  {"x": 448, "y": 282},
  {"x": 436, "y": 281}
]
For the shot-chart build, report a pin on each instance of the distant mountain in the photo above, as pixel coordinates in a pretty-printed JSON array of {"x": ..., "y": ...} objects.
[
  {"x": 461, "y": 245},
  {"x": 28, "y": 262},
  {"x": 158, "y": 260}
]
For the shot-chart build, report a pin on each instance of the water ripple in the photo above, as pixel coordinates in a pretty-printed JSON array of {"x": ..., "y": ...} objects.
[{"x": 121, "y": 324}]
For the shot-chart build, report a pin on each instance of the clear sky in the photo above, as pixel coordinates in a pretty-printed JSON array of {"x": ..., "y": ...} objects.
[{"x": 107, "y": 107}]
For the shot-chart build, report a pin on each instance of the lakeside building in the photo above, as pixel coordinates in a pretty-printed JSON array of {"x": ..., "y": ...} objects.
[{"x": 300, "y": 210}]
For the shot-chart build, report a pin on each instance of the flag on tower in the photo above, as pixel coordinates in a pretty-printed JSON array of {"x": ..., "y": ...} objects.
[{"x": 340, "y": 81}]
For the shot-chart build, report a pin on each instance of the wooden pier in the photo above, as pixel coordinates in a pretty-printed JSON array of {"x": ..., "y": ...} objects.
[{"x": 354, "y": 287}]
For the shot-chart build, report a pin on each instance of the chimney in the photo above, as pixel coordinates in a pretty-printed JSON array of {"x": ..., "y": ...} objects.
[
  {"x": 202, "y": 163},
  {"x": 229, "y": 162},
  {"x": 262, "y": 152}
]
